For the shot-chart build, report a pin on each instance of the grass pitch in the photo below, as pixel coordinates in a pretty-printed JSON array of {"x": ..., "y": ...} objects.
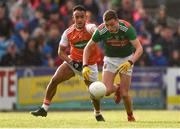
[{"x": 85, "y": 119}]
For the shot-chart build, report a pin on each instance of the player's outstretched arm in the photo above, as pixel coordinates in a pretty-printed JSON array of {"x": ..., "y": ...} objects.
[{"x": 87, "y": 52}]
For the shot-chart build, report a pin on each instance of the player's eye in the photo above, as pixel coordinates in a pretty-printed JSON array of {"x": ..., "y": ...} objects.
[{"x": 77, "y": 17}]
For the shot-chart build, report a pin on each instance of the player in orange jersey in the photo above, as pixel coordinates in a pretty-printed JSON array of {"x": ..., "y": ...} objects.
[{"x": 75, "y": 37}]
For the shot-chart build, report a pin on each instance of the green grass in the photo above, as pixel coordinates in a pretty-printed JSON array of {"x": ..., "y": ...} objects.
[{"x": 85, "y": 119}]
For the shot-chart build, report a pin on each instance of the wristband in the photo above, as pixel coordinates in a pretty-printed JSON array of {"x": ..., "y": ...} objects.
[
  {"x": 130, "y": 62},
  {"x": 85, "y": 65}
]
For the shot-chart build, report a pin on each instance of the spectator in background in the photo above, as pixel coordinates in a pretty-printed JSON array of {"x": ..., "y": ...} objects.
[
  {"x": 145, "y": 38},
  {"x": 160, "y": 22},
  {"x": 90, "y": 17},
  {"x": 21, "y": 35},
  {"x": 55, "y": 20},
  {"x": 142, "y": 22},
  {"x": 166, "y": 40},
  {"x": 144, "y": 61},
  {"x": 66, "y": 11},
  {"x": 126, "y": 11},
  {"x": 53, "y": 39},
  {"x": 36, "y": 20},
  {"x": 175, "y": 58},
  {"x": 12, "y": 57},
  {"x": 46, "y": 6},
  {"x": 16, "y": 14},
  {"x": 115, "y": 4},
  {"x": 35, "y": 4},
  {"x": 177, "y": 37},
  {"x": 162, "y": 17},
  {"x": 40, "y": 36},
  {"x": 27, "y": 11},
  {"x": 92, "y": 6},
  {"x": 156, "y": 33},
  {"x": 138, "y": 4},
  {"x": 158, "y": 58},
  {"x": 4, "y": 43},
  {"x": 6, "y": 26},
  {"x": 103, "y": 6},
  {"x": 31, "y": 55}
]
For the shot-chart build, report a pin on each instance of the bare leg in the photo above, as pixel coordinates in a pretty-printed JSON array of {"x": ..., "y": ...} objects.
[
  {"x": 108, "y": 80},
  {"x": 124, "y": 88},
  {"x": 97, "y": 105},
  {"x": 64, "y": 72}
]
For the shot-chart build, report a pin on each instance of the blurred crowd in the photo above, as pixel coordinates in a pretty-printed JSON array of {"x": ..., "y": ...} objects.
[{"x": 30, "y": 30}]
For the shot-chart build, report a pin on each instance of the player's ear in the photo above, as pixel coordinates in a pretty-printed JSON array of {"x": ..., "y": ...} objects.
[{"x": 73, "y": 18}]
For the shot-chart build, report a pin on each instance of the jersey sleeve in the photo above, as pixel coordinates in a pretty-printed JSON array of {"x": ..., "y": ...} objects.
[
  {"x": 64, "y": 39},
  {"x": 131, "y": 33},
  {"x": 96, "y": 36},
  {"x": 90, "y": 28}
]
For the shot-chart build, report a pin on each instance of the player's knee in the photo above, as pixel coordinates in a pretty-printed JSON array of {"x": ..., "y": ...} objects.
[{"x": 124, "y": 94}]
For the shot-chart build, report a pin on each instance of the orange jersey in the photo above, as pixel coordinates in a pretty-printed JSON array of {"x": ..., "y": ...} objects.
[{"x": 77, "y": 40}]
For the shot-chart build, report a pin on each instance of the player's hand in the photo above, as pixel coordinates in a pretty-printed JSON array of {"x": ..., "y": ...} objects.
[
  {"x": 76, "y": 65},
  {"x": 86, "y": 72},
  {"x": 124, "y": 67}
]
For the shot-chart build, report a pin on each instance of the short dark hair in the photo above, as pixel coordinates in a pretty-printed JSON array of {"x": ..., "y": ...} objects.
[
  {"x": 110, "y": 14},
  {"x": 79, "y": 8}
]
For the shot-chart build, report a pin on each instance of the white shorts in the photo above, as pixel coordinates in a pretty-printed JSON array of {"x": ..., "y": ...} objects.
[
  {"x": 112, "y": 63},
  {"x": 93, "y": 76}
]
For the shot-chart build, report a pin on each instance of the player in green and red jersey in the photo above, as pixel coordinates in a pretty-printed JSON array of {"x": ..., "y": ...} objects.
[{"x": 122, "y": 49}]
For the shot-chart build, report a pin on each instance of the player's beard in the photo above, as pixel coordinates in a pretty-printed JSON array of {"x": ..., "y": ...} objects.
[{"x": 80, "y": 26}]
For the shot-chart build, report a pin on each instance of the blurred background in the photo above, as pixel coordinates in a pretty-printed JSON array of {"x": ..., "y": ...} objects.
[{"x": 30, "y": 31}]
